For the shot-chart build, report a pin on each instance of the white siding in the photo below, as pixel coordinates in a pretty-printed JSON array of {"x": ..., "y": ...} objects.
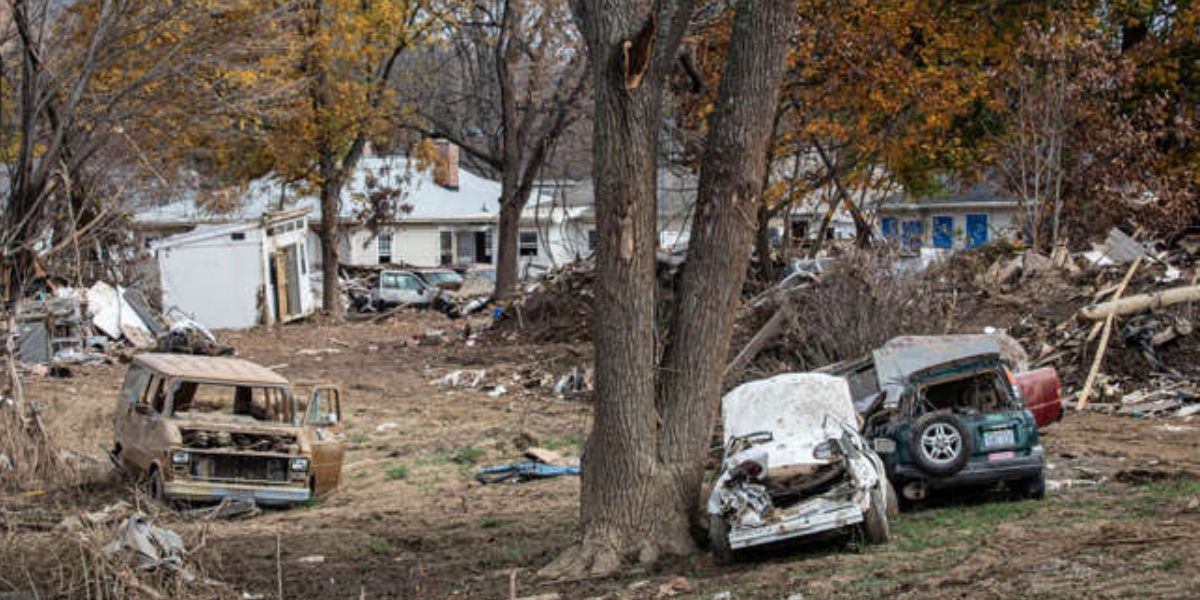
[
  {"x": 417, "y": 245},
  {"x": 216, "y": 281}
]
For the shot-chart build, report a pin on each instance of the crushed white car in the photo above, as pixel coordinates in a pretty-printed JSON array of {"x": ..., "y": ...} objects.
[{"x": 794, "y": 465}]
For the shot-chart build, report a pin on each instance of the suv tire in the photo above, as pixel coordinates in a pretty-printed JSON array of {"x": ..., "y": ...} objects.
[{"x": 940, "y": 443}]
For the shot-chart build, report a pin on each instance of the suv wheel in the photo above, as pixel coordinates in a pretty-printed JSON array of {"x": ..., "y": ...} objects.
[{"x": 941, "y": 444}]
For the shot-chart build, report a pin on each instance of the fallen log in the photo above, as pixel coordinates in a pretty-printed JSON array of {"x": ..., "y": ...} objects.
[{"x": 1141, "y": 302}]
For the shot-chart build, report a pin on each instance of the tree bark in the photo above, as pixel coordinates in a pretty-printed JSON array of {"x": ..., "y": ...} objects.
[
  {"x": 507, "y": 246},
  {"x": 331, "y": 191},
  {"x": 644, "y": 460}
]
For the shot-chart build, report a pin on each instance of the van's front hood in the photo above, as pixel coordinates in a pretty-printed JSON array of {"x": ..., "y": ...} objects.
[{"x": 234, "y": 424}]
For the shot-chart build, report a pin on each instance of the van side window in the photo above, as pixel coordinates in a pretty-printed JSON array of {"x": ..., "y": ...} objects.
[
  {"x": 135, "y": 382},
  {"x": 155, "y": 396}
]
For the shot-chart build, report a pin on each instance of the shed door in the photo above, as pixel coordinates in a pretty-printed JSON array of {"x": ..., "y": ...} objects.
[
  {"x": 977, "y": 230},
  {"x": 293, "y": 279},
  {"x": 887, "y": 226},
  {"x": 910, "y": 234},
  {"x": 943, "y": 232}
]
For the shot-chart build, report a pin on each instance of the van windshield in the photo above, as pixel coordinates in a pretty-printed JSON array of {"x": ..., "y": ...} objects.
[{"x": 192, "y": 399}]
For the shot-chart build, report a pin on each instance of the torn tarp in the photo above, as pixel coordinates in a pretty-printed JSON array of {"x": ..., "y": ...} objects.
[{"x": 523, "y": 471}]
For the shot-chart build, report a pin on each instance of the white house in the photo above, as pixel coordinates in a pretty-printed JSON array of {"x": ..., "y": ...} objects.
[
  {"x": 441, "y": 215},
  {"x": 559, "y": 226},
  {"x": 965, "y": 217},
  {"x": 239, "y": 274}
]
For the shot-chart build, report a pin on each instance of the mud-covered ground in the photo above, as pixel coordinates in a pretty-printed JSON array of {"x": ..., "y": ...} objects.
[{"x": 1121, "y": 519}]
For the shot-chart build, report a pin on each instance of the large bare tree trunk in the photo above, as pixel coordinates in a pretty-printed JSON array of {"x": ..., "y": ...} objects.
[
  {"x": 331, "y": 191},
  {"x": 732, "y": 170},
  {"x": 506, "y": 252},
  {"x": 644, "y": 460}
]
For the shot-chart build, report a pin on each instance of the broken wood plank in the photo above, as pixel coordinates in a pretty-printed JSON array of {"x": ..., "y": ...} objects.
[
  {"x": 1108, "y": 324},
  {"x": 765, "y": 334}
]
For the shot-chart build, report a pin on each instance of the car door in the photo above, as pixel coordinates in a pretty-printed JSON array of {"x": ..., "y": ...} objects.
[
  {"x": 139, "y": 444},
  {"x": 323, "y": 418}
]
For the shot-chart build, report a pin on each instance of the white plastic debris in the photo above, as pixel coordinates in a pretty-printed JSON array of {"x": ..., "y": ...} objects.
[
  {"x": 314, "y": 559},
  {"x": 385, "y": 427},
  {"x": 463, "y": 378},
  {"x": 497, "y": 391}
]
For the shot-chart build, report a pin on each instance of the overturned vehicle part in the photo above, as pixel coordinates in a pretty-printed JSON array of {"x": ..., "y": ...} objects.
[
  {"x": 794, "y": 465},
  {"x": 946, "y": 412},
  {"x": 209, "y": 429}
]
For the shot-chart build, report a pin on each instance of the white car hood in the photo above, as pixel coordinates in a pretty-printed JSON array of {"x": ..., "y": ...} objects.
[{"x": 793, "y": 408}]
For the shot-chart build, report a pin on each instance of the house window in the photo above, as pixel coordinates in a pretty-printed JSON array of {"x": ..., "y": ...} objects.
[
  {"x": 238, "y": 236},
  {"x": 591, "y": 240},
  {"x": 447, "y": 247},
  {"x": 384, "y": 243},
  {"x": 150, "y": 239},
  {"x": 528, "y": 245}
]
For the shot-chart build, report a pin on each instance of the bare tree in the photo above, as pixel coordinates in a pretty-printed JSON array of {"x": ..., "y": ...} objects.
[
  {"x": 96, "y": 95},
  {"x": 644, "y": 460},
  {"x": 518, "y": 77}
]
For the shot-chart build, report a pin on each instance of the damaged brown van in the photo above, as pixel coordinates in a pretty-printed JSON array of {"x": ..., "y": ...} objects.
[{"x": 204, "y": 429}]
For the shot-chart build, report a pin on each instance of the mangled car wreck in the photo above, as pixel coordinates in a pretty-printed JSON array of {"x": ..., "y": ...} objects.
[
  {"x": 946, "y": 412},
  {"x": 794, "y": 465},
  {"x": 205, "y": 429}
]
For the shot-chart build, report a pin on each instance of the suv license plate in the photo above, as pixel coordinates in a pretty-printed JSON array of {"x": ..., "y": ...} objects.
[{"x": 998, "y": 438}]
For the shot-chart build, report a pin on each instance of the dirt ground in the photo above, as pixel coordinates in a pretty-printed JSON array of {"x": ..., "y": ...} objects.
[{"x": 410, "y": 522}]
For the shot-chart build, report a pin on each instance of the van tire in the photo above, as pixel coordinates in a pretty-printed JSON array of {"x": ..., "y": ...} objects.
[
  {"x": 944, "y": 423},
  {"x": 154, "y": 486},
  {"x": 718, "y": 540}
]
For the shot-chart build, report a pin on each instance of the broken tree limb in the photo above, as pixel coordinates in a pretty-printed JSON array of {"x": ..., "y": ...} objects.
[
  {"x": 1140, "y": 302},
  {"x": 768, "y": 332},
  {"x": 1108, "y": 325}
]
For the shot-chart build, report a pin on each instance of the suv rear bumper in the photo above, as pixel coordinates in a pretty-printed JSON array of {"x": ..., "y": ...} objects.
[
  {"x": 267, "y": 495},
  {"x": 978, "y": 473}
]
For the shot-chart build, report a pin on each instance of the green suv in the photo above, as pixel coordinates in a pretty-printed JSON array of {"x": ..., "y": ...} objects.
[{"x": 945, "y": 412}]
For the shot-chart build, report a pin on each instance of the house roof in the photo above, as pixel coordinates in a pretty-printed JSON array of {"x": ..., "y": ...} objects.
[
  {"x": 978, "y": 195},
  {"x": 217, "y": 369},
  {"x": 476, "y": 199}
]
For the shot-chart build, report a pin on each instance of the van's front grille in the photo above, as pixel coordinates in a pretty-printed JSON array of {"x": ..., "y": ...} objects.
[{"x": 239, "y": 469}]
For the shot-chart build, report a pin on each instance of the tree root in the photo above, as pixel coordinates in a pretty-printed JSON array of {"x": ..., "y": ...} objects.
[{"x": 598, "y": 555}]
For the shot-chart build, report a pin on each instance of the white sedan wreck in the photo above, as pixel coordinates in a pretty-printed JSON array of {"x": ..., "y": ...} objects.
[{"x": 794, "y": 465}]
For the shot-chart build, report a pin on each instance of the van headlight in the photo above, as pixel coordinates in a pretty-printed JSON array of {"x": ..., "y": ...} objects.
[
  {"x": 300, "y": 464},
  {"x": 180, "y": 457}
]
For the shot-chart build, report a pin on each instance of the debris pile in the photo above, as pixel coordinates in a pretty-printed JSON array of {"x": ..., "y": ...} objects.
[
  {"x": 556, "y": 308},
  {"x": 1117, "y": 321}
]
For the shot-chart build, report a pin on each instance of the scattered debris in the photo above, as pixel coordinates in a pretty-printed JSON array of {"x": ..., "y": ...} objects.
[
  {"x": 463, "y": 378},
  {"x": 149, "y": 547}
]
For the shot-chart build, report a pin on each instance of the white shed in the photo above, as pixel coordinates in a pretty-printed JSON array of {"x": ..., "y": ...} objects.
[{"x": 240, "y": 274}]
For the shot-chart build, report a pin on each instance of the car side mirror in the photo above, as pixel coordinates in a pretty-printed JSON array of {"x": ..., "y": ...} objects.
[{"x": 143, "y": 409}]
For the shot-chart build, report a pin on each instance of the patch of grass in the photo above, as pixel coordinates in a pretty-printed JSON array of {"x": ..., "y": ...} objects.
[
  {"x": 941, "y": 527},
  {"x": 559, "y": 442},
  {"x": 381, "y": 546},
  {"x": 491, "y": 522},
  {"x": 397, "y": 471},
  {"x": 1169, "y": 564},
  {"x": 359, "y": 438},
  {"x": 1174, "y": 488},
  {"x": 466, "y": 455},
  {"x": 514, "y": 553}
]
